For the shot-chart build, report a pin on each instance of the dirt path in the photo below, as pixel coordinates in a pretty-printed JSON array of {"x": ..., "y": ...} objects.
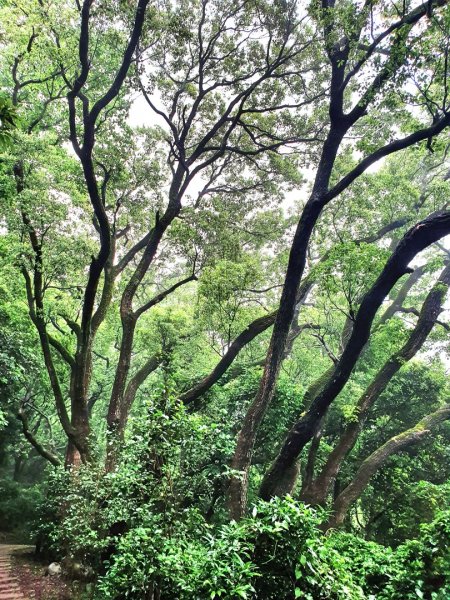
[{"x": 9, "y": 587}]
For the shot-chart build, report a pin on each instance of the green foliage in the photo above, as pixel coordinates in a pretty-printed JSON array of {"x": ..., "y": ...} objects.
[
  {"x": 19, "y": 506},
  {"x": 225, "y": 296},
  {"x": 278, "y": 552},
  {"x": 350, "y": 270},
  {"x": 419, "y": 568},
  {"x": 241, "y": 113},
  {"x": 422, "y": 566},
  {"x": 9, "y": 121},
  {"x": 183, "y": 559},
  {"x": 71, "y": 523},
  {"x": 369, "y": 563}
]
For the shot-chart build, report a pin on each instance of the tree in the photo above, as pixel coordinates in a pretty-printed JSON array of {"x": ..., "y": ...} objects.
[
  {"x": 199, "y": 140},
  {"x": 341, "y": 40}
]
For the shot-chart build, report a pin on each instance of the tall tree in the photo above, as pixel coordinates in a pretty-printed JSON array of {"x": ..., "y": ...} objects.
[{"x": 349, "y": 46}]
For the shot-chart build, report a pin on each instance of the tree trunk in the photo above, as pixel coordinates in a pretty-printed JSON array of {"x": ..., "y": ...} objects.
[
  {"x": 117, "y": 412},
  {"x": 376, "y": 460},
  {"x": 415, "y": 240},
  {"x": 317, "y": 491},
  {"x": 297, "y": 258}
]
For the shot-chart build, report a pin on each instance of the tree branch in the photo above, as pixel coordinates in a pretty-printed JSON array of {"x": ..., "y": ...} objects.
[
  {"x": 52, "y": 458},
  {"x": 377, "y": 459}
]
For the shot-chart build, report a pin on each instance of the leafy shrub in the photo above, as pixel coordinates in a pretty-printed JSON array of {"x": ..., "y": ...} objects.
[
  {"x": 278, "y": 552},
  {"x": 417, "y": 569},
  {"x": 370, "y": 563},
  {"x": 187, "y": 562},
  {"x": 422, "y": 567},
  {"x": 71, "y": 521},
  {"x": 165, "y": 543}
]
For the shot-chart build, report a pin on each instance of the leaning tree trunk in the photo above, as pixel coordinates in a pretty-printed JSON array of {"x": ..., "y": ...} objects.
[
  {"x": 340, "y": 124},
  {"x": 316, "y": 492},
  {"x": 414, "y": 241},
  {"x": 297, "y": 258},
  {"x": 377, "y": 459}
]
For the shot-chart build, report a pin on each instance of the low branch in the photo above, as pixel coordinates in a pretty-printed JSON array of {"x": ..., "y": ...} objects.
[
  {"x": 161, "y": 296},
  {"x": 63, "y": 352},
  {"x": 245, "y": 337},
  {"x": 54, "y": 460}
]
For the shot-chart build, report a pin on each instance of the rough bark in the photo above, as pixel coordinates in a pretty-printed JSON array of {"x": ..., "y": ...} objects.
[
  {"x": 316, "y": 492},
  {"x": 117, "y": 411},
  {"x": 35, "y": 299},
  {"x": 85, "y": 154},
  {"x": 414, "y": 241},
  {"x": 103, "y": 262},
  {"x": 377, "y": 459},
  {"x": 76, "y": 426},
  {"x": 288, "y": 484}
]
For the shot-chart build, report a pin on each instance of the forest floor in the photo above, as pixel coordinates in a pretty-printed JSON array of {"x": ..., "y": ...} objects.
[{"x": 28, "y": 577}]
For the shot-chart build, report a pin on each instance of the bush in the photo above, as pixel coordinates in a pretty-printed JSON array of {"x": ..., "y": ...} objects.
[
  {"x": 422, "y": 567},
  {"x": 141, "y": 532},
  {"x": 278, "y": 552},
  {"x": 417, "y": 569},
  {"x": 72, "y": 523},
  {"x": 370, "y": 563}
]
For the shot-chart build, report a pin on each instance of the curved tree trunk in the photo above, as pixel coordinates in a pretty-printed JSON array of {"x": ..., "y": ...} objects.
[
  {"x": 317, "y": 491},
  {"x": 297, "y": 259},
  {"x": 263, "y": 323},
  {"x": 376, "y": 460},
  {"x": 414, "y": 241}
]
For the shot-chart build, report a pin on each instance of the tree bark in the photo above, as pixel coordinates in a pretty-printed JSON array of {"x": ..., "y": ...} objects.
[
  {"x": 322, "y": 194},
  {"x": 376, "y": 460},
  {"x": 316, "y": 492},
  {"x": 129, "y": 316}
]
